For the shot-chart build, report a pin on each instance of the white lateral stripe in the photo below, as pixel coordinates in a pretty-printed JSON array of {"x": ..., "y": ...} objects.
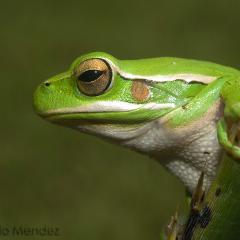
[
  {"x": 167, "y": 78},
  {"x": 187, "y": 77},
  {"x": 113, "y": 106}
]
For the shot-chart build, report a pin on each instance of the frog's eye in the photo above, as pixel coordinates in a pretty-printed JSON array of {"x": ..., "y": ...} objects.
[{"x": 94, "y": 77}]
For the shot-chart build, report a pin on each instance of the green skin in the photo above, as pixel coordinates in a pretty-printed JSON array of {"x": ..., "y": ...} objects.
[{"x": 55, "y": 97}]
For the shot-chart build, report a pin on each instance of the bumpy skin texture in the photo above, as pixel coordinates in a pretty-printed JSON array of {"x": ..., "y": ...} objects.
[{"x": 174, "y": 110}]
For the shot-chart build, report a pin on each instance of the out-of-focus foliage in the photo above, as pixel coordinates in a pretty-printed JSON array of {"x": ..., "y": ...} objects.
[
  {"x": 220, "y": 213},
  {"x": 58, "y": 177}
]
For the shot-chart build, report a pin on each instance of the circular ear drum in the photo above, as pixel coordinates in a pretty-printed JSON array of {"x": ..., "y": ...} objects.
[{"x": 140, "y": 90}]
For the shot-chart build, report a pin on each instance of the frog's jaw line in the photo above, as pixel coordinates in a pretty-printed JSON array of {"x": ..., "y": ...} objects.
[
  {"x": 107, "y": 106},
  {"x": 187, "y": 77}
]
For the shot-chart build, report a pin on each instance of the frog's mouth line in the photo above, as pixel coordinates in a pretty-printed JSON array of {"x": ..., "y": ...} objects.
[
  {"x": 95, "y": 112},
  {"x": 108, "y": 106},
  {"x": 76, "y": 119}
]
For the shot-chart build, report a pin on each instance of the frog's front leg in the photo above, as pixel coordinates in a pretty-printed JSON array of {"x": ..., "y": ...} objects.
[
  {"x": 229, "y": 126},
  {"x": 225, "y": 139}
]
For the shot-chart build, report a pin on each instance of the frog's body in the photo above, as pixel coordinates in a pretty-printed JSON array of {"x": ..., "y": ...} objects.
[{"x": 167, "y": 108}]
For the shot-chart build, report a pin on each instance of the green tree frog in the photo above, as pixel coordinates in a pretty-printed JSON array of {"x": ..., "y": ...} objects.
[{"x": 175, "y": 110}]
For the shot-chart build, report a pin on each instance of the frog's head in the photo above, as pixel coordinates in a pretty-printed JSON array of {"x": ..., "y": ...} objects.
[{"x": 105, "y": 96}]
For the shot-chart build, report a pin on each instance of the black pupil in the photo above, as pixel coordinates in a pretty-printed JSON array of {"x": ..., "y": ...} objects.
[{"x": 90, "y": 75}]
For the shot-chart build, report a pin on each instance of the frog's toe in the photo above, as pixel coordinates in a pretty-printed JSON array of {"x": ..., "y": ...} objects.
[
  {"x": 231, "y": 147},
  {"x": 235, "y": 152},
  {"x": 233, "y": 112}
]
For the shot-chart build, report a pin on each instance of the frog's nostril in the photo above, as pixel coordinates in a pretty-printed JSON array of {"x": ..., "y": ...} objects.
[{"x": 47, "y": 84}]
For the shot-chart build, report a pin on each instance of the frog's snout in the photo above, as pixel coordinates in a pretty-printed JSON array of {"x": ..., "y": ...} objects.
[
  {"x": 42, "y": 97},
  {"x": 52, "y": 94}
]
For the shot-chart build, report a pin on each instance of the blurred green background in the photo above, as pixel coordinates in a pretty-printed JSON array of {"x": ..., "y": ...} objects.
[{"x": 50, "y": 175}]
